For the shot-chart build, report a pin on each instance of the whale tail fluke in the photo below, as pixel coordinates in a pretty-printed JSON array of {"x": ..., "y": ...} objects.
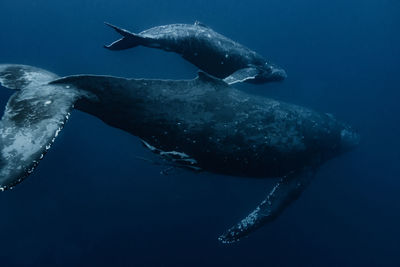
[
  {"x": 128, "y": 40},
  {"x": 19, "y": 77},
  {"x": 32, "y": 119}
]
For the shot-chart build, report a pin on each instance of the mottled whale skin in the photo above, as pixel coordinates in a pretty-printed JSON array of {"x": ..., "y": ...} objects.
[
  {"x": 201, "y": 124},
  {"x": 208, "y": 50}
]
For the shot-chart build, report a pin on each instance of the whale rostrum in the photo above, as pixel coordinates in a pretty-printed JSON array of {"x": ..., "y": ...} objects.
[{"x": 200, "y": 125}]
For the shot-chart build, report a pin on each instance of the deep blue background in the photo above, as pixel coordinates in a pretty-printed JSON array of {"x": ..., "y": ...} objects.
[{"x": 92, "y": 203}]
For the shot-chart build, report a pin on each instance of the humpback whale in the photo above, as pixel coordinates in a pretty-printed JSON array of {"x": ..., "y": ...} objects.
[
  {"x": 200, "y": 125},
  {"x": 208, "y": 50}
]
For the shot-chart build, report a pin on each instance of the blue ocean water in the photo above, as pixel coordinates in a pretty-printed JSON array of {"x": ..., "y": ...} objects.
[{"x": 92, "y": 203}]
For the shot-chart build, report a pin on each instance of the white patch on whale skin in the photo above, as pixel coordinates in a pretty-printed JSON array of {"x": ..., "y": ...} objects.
[
  {"x": 181, "y": 158},
  {"x": 174, "y": 153}
]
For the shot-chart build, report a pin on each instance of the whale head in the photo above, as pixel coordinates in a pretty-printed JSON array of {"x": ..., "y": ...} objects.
[
  {"x": 274, "y": 73},
  {"x": 269, "y": 73},
  {"x": 349, "y": 139}
]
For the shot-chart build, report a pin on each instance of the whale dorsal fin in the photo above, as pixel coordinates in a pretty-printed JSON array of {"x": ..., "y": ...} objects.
[
  {"x": 207, "y": 78},
  {"x": 198, "y": 23},
  {"x": 201, "y": 75}
]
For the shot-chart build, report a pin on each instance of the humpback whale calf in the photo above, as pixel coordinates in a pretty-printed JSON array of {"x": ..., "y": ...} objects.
[
  {"x": 201, "y": 125},
  {"x": 208, "y": 50}
]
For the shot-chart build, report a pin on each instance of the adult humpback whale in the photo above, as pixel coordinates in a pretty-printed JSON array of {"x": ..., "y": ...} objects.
[
  {"x": 200, "y": 124},
  {"x": 206, "y": 49}
]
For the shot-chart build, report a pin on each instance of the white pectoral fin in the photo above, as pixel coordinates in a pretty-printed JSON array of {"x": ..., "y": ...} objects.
[
  {"x": 242, "y": 75},
  {"x": 286, "y": 191},
  {"x": 32, "y": 119}
]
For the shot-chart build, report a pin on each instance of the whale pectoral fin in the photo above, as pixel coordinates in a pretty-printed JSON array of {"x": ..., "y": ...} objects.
[
  {"x": 174, "y": 158},
  {"x": 242, "y": 75},
  {"x": 286, "y": 191},
  {"x": 32, "y": 119}
]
